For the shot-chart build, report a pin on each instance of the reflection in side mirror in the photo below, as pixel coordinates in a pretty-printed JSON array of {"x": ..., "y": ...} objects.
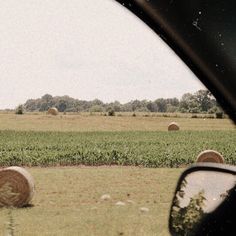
[{"x": 197, "y": 198}]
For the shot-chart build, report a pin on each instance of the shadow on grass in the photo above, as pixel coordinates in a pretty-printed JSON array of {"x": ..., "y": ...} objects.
[
  {"x": 11, "y": 207},
  {"x": 28, "y": 206}
]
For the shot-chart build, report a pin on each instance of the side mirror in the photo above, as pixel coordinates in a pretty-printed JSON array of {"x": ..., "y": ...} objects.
[{"x": 204, "y": 202}]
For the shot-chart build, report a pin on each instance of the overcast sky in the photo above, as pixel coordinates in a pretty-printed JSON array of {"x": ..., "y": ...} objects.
[{"x": 86, "y": 49}]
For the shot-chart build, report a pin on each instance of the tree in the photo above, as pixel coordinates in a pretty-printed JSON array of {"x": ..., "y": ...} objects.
[
  {"x": 201, "y": 101},
  {"x": 96, "y": 108},
  {"x": 44, "y": 106},
  {"x": 187, "y": 103},
  {"x": 62, "y": 105},
  {"x": 173, "y": 101},
  {"x": 152, "y": 106},
  {"x": 161, "y": 105},
  {"x": 110, "y": 111},
  {"x": 170, "y": 108},
  {"x": 47, "y": 97},
  {"x": 19, "y": 110},
  {"x": 204, "y": 100},
  {"x": 31, "y": 105},
  {"x": 116, "y": 106},
  {"x": 96, "y": 102},
  {"x": 136, "y": 105},
  {"x": 185, "y": 219},
  {"x": 46, "y": 102}
]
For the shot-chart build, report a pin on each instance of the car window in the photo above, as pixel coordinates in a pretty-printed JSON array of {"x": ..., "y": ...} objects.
[
  {"x": 88, "y": 97},
  {"x": 100, "y": 50}
]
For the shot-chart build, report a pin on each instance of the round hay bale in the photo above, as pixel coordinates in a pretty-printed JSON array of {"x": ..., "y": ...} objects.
[
  {"x": 210, "y": 156},
  {"x": 53, "y": 111},
  {"x": 173, "y": 126},
  {"x": 16, "y": 187}
]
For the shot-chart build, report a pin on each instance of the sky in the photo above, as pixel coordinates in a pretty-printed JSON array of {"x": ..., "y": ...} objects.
[{"x": 85, "y": 49}]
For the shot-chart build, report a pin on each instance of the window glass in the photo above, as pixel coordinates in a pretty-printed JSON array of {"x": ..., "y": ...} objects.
[
  {"x": 87, "y": 50},
  {"x": 89, "y": 93}
]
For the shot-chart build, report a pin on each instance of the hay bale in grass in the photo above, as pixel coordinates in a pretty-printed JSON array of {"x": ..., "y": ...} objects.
[
  {"x": 53, "y": 111},
  {"x": 16, "y": 187},
  {"x": 173, "y": 126},
  {"x": 210, "y": 156}
]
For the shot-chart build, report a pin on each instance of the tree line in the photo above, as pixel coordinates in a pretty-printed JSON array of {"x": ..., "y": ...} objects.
[{"x": 199, "y": 102}]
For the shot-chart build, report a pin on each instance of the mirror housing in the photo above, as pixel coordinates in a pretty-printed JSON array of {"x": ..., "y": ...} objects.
[{"x": 204, "y": 202}]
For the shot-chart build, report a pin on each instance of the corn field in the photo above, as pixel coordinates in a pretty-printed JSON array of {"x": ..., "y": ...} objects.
[{"x": 141, "y": 148}]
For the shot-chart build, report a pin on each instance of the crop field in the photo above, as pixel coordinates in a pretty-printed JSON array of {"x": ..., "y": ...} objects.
[
  {"x": 148, "y": 149},
  {"x": 41, "y": 140}
]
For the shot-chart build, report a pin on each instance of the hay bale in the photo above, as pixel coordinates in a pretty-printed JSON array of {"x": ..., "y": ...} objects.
[
  {"x": 173, "y": 126},
  {"x": 53, "y": 111},
  {"x": 16, "y": 187},
  {"x": 210, "y": 156}
]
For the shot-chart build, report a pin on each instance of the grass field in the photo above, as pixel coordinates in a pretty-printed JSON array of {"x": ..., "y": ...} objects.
[
  {"x": 86, "y": 122},
  {"x": 67, "y": 202}
]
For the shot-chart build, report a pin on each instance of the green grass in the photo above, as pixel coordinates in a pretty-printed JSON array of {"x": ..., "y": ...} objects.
[
  {"x": 67, "y": 202},
  {"x": 149, "y": 149}
]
